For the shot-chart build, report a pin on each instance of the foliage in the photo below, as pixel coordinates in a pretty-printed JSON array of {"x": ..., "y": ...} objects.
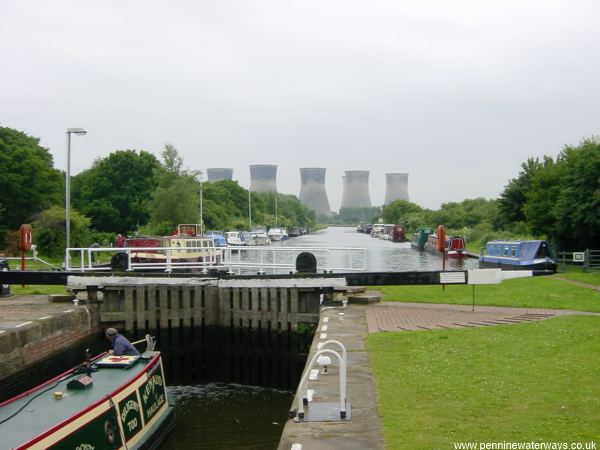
[
  {"x": 577, "y": 207},
  {"x": 516, "y": 383},
  {"x": 559, "y": 199},
  {"x": 49, "y": 231},
  {"x": 512, "y": 199},
  {"x": 467, "y": 213},
  {"x": 398, "y": 212},
  {"x": 116, "y": 191},
  {"x": 352, "y": 216},
  {"x": 28, "y": 181}
]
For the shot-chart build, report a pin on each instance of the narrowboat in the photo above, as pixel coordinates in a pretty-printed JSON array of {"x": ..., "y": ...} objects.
[
  {"x": 455, "y": 247},
  {"x": 399, "y": 233},
  {"x": 420, "y": 238},
  {"x": 108, "y": 402},
  {"x": 515, "y": 255},
  {"x": 180, "y": 249}
]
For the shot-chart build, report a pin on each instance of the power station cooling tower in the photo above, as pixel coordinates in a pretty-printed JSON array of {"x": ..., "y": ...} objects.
[
  {"x": 312, "y": 190},
  {"x": 218, "y": 174},
  {"x": 396, "y": 187},
  {"x": 263, "y": 178},
  {"x": 355, "y": 189}
]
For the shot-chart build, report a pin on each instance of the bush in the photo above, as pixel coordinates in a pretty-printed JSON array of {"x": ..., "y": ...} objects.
[{"x": 49, "y": 232}]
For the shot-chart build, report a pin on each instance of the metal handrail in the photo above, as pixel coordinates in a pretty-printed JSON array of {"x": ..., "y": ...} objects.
[{"x": 232, "y": 259}]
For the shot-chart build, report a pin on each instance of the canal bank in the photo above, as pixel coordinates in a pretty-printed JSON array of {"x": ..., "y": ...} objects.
[
  {"x": 39, "y": 336},
  {"x": 362, "y": 427}
]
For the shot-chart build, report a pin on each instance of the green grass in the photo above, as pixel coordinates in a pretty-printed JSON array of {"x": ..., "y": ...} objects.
[
  {"x": 584, "y": 277},
  {"x": 535, "y": 292},
  {"x": 516, "y": 383},
  {"x": 36, "y": 290}
]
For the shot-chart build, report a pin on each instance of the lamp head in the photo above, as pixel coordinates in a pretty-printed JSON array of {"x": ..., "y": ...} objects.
[{"x": 77, "y": 131}]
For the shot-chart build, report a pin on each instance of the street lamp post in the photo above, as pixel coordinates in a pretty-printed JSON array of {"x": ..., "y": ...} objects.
[{"x": 78, "y": 132}]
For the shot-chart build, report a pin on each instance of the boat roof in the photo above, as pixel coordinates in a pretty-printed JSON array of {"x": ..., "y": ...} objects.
[
  {"x": 513, "y": 241},
  {"x": 37, "y": 410}
]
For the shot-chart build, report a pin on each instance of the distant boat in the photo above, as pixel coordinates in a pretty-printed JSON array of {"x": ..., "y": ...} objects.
[
  {"x": 218, "y": 237},
  {"x": 234, "y": 238},
  {"x": 260, "y": 236},
  {"x": 420, "y": 238},
  {"x": 97, "y": 405},
  {"x": 275, "y": 234},
  {"x": 399, "y": 233},
  {"x": 515, "y": 255},
  {"x": 455, "y": 247}
]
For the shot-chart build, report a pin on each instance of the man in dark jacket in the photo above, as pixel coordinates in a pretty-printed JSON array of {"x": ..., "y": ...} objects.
[{"x": 120, "y": 344}]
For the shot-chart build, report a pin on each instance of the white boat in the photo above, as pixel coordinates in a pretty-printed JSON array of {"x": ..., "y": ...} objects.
[
  {"x": 247, "y": 238},
  {"x": 234, "y": 238},
  {"x": 260, "y": 236},
  {"x": 275, "y": 234}
]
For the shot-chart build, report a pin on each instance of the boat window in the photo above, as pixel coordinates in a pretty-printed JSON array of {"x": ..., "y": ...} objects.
[
  {"x": 506, "y": 251},
  {"x": 513, "y": 251}
]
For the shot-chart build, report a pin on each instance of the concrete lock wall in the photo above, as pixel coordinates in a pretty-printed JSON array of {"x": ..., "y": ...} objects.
[{"x": 32, "y": 351}]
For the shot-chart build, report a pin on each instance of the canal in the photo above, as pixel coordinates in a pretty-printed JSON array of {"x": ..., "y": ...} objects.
[{"x": 229, "y": 415}]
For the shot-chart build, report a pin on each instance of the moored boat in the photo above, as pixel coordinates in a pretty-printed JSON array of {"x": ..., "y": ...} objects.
[
  {"x": 176, "y": 249},
  {"x": 234, "y": 238},
  {"x": 260, "y": 236},
  {"x": 518, "y": 255},
  {"x": 98, "y": 405},
  {"x": 420, "y": 238},
  {"x": 275, "y": 234},
  {"x": 455, "y": 247},
  {"x": 399, "y": 233}
]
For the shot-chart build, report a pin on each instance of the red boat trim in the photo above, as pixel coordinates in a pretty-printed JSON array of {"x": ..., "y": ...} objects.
[{"x": 60, "y": 425}]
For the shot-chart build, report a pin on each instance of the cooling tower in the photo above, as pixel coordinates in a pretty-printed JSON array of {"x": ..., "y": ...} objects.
[
  {"x": 263, "y": 178},
  {"x": 218, "y": 174},
  {"x": 312, "y": 190},
  {"x": 396, "y": 187},
  {"x": 355, "y": 189}
]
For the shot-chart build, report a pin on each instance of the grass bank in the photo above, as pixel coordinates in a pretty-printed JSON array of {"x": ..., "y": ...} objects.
[
  {"x": 513, "y": 383},
  {"x": 536, "y": 292}
]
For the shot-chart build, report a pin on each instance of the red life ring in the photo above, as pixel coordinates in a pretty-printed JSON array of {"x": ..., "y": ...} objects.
[
  {"x": 25, "y": 243},
  {"x": 441, "y": 235}
]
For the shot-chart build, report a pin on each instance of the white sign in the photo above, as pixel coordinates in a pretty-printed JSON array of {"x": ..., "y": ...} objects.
[
  {"x": 579, "y": 256},
  {"x": 452, "y": 277}
]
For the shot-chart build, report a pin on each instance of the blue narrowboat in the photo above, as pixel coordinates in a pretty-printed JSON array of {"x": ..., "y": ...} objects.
[{"x": 518, "y": 255}]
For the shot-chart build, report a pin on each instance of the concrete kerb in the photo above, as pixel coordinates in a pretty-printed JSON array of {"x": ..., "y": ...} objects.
[{"x": 347, "y": 325}]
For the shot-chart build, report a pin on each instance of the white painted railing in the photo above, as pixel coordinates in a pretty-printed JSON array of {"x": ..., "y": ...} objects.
[{"x": 234, "y": 260}]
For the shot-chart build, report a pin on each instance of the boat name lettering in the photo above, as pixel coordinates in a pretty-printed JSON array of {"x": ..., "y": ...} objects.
[
  {"x": 131, "y": 405},
  {"x": 160, "y": 400},
  {"x": 153, "y": 381},
  {"x": 85, "y": 447}
]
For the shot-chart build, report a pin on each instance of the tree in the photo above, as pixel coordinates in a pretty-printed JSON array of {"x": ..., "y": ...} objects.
[
  {"x": 541, "y": 197},
  {"x": 513, "y": 198},
  {"x": 398, "y": 211},
  {"x": 116, "y": 191},
  {"x": 577, "y": 208},
  {"x": 49, "y": 231},
  {"x": 28, "y": 181}
]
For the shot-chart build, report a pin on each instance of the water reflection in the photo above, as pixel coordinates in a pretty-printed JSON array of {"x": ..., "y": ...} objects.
[
  {"x": 228, "y": 416},
  {"x": 382, "y": 255}
]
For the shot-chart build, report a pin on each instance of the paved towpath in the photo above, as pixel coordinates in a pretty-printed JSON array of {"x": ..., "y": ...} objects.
[{"x": 400, "y": 316}]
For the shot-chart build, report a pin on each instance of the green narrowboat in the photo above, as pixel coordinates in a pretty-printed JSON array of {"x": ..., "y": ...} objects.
[{"x": 110, "y": 402}]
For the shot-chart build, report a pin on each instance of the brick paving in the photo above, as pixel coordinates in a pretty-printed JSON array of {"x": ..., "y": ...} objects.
[{"x": 400, "y": 316}]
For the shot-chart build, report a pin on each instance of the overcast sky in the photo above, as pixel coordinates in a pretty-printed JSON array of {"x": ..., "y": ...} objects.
[{"x": 458, "y": 94}]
